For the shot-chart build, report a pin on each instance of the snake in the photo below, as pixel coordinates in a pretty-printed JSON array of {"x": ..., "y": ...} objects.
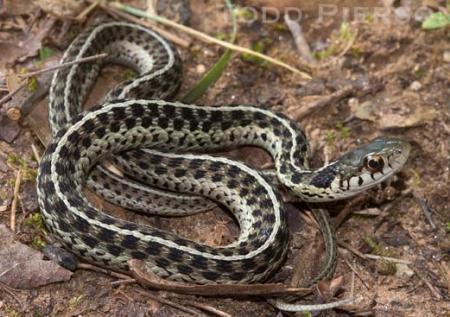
[{"x": 163, "y": 148}]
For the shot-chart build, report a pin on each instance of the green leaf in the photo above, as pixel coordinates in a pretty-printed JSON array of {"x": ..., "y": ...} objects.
[
  {"x": 259, "y": 47},
  {"x": 32, "y": 84},
  {"x": 45, "y": 52},
  {"x": 216, "y": 70},
  {"x": 436, "y": 20}
]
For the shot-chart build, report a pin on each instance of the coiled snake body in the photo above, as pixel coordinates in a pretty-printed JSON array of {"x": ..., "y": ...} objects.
[{"x": 154, "y": 138}]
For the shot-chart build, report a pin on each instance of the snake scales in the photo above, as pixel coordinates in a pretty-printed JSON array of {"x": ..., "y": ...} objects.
[{"x": 149, "y": 139}]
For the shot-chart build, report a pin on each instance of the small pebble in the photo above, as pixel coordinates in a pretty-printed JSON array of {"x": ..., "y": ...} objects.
[
  {"x": 403, "y": 270},
  {"x": 446, "y": 56},
  {"x": 415, "y": 85},
  {"x": 200, "y": 69},
  {"x": 403, "y": 14}
]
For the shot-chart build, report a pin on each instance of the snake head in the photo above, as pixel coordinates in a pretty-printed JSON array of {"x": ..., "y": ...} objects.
[{"x": 368, "y": 165}]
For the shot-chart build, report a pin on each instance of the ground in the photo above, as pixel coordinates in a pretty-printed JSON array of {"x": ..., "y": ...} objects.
[{"x": 385, "y": 77}]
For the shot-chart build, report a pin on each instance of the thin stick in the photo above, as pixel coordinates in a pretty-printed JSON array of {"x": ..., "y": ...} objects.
[
  {"x": 346, "y": 212},
  {"x": 13, "y": 93},
  {"x": 352, "y": 289},
  {"x": 11, "y": 292},
  {"x": 90, "y": 267},
  {"x": 15, "y": 200},
  {"x": 425, "y": 209},
  {"x": 209, "y": 309},
  {"x": 36, "y": 154},
  {"x": 172, "y": 37},
  {"x": 356, "y": 272},
  {"x": 387, "y": 258},
  {"x": 368, "y": 212},
  {"x": 52, "y": 68},
  {"x": 445, "y": 270},
  {"x": 168, "y": 302},
  {"x": 351, "y": 249},
  {"x": 206, "y": 38},
  {"x": 82, "y": 16},
  {"x": 433, "y": 290},
  {"x": 299, "y": 39},
  {"x": 126, "y": 281}
]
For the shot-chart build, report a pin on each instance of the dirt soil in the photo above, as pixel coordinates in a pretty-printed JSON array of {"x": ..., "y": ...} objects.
[{"x": 393, "y": 78}]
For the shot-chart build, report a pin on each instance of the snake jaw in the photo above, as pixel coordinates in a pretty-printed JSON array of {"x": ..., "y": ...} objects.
[{"x": 370, "y": 165}]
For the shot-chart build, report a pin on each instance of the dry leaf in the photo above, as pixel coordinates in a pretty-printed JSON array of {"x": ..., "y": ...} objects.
[
  {"x": 9, "y": 129},
  {"x": 17, "y": 7},
  {"x": 327, "y": 289},
  {"x": 22, "y": 267},
  {"x": 416, "y": 118},
  {"x": 10, "y": 53},
  {"x": 63, "y": 9},
  {"x": 363, "y": 111}
]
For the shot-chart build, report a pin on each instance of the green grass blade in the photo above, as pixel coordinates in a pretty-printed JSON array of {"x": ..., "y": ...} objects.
[
  {"x": 436, "y": 20},
  {"x": 216, "y": 70}
]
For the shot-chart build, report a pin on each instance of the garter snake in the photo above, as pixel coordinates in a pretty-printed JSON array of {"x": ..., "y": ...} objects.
[{"x": 152, "y": 140}]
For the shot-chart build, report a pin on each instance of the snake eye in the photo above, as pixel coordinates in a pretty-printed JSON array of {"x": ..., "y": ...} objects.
[{"x": 374, "y": 163}]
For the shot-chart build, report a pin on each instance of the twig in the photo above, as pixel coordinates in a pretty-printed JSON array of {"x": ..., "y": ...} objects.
[
  {"x": 356, "y": 272},
  {"x": 208, "y": 309},
  {"x": 445, "y": 270},
  {"x": 24, "y": 102},
  {"x": 347, "y": 211},
  {"x": 36, "y": 154},
  {"x": 90, "y": 267},
  {"x": 386, "y": 258},
  {"x": 121, "y": 282},
  {"x": 52, "y": 68},
  {"x": 149, "y": 279},
  {"x": 82, "y": 16},
  {"x": 168, "y": 302},
  {"x": 299, "y": 39},
  {"x": 206, "y": 38},
  {"x": 351, "y": 249},
  {"x": 24, "y": 211},
  {"x": 368, "y": 212},
  {"x": 352, "y": 289},
  {"x": 425, "y": 209},
  {"x": 11, "y": 292},
  {"x": 433, "y": 289},
  {"x": 15, "y": 200},
  {"x": 13, "y": 93},
  {"x": 298, "y": 113},
  {"x": 19, "y": 108}
]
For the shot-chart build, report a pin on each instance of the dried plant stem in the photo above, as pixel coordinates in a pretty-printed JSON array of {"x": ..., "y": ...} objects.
[
  {"x": 13, "y": 93},
  {"x": 15, "y": 200},
  {"x": 49, "y": 69},
  {"x": 430, "y": 286},
  {"x": 386, "y": 258},
  {"x": 184, "y": 42},
  {"x": 208, "y": 309},
  {"x": 36, "y": 154},
  {"x": 205, "y": 37},
  {"x": 168, "y": 302}
]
